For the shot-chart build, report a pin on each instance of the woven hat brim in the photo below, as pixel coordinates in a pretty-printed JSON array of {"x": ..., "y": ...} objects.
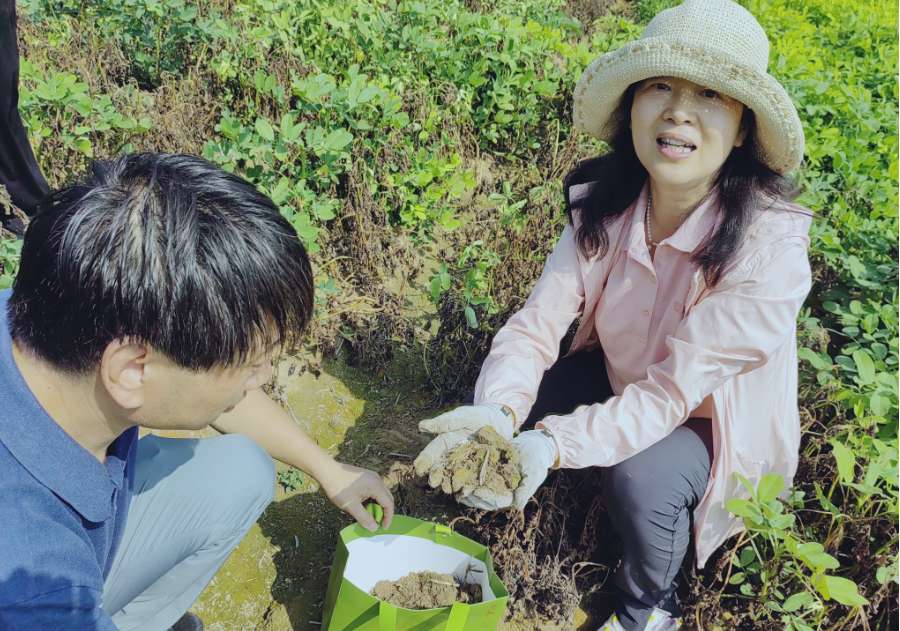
[{"x": 779, "y": 132}]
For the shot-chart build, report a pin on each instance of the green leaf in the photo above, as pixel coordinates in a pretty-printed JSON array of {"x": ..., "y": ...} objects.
[
  {"x": 745, "y": 509},
  {"x": 814, "y": 358},
  {"x": 846, "y": 461},
  {"x": 846, "y": 362},
  {"x": 745, "y": 483},
  {"x": 314, "y": 88},
  {"x": 782, "y": 522},
  {"x": 368, "y": 93},
  {"x": 824, "y": 502},
  {"x": 865, "y": 367},
  {"x": 813, "y": 554},
  {"x": 264, "y": 129},
  {"x": 887, "y": 573},
  {"x": 84, "y": 146},
  {"x": 841, "y": 589},
  {"x": 471, "y": 320},
  {"x": 879, "y": 405},
  {"x": 337, "y": 140},
  {"x": 797, "y": 601},
  {"x": 770, "y": 485},
  {"x": 858, "y": 269},
  {"x": 324, "y": 211},
  {"x": 290, "y": 131},
  {"x": 281, "y": 192}
]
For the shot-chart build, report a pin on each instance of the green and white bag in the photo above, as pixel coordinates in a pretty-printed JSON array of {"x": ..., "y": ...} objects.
[{"x": 363, "y": 558}]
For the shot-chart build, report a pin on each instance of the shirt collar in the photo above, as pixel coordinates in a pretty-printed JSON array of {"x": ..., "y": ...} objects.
[
  {"x": 698, "y": 226},
  {"x": 690, "y": 235},
  {"x": 46, "y": 451}
]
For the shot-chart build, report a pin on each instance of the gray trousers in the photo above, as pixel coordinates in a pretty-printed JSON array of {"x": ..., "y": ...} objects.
[
  {"x": 650, "y": 497},
  {"x": 194, "y": 500}
]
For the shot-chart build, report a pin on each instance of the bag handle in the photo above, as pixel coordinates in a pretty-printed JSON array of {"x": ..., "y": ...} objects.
[
  {"x": 441, "y": 532},
  {"x": 376, "y": 511},
  {"x": 459, "y": 612},
  {"x": 387, "y": 616}
]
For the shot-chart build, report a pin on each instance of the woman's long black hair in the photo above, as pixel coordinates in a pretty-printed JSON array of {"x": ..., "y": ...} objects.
[{"x": 618, "y": 177}]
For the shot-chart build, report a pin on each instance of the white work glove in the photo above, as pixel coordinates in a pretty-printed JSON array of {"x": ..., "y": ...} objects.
[
  {"x": 456, "y": 427},
  {"x": 537, "y": 453}
]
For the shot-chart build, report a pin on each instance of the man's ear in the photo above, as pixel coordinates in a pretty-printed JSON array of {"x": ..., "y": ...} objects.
[{"x": 123, "y": 368}]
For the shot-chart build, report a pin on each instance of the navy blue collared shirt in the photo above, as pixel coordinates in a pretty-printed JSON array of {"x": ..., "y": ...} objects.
[{"x": 62, "y": 511}]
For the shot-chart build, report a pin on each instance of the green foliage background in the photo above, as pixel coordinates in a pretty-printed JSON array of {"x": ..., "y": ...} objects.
[{"x": 417, "y": 147}]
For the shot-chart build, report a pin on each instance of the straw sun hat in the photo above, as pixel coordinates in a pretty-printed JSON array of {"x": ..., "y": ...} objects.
[{"x": 716, "y": 43}]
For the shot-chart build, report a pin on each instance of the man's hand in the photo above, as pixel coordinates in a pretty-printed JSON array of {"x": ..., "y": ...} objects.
[
  {"x": 456, "y": 427},
  {"x": 537, "y": 453},
  {"x": 345, "y": 485},
  {"x": 349, "y": 487}
]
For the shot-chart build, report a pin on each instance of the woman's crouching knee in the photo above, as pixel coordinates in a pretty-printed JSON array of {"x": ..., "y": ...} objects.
[{"x": 628, "y": 487}]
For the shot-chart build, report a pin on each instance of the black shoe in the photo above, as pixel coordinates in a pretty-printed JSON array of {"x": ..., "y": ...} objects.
[{"x": 188, "y": 622}]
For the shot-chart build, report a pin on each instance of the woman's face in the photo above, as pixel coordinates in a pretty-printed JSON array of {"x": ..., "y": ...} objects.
[{"x": 683, "y": 131}]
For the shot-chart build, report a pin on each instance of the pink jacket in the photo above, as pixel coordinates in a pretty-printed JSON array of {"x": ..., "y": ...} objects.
[{"x": 733, "y": 346}]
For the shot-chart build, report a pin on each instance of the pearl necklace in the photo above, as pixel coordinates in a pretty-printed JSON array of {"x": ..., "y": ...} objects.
[
  {"x": 647, "y": 220},
  {"x": 649, "y": 206}
]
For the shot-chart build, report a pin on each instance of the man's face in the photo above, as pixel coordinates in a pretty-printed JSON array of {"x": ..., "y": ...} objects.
[{"x": 177, "y": 398}]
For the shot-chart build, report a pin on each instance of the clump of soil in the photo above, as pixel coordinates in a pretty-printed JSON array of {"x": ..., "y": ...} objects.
[
  {"x": 487, "y": 462},
  {"x": 426, "y": 590}
]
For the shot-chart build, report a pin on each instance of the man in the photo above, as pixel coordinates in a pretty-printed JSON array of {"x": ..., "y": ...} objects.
[
  {"x": 19, "y": 171},
  {"x": 152, "y": 294}
]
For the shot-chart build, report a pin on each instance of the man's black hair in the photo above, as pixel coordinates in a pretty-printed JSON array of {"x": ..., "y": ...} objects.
[{"x": 164, "y": 249}]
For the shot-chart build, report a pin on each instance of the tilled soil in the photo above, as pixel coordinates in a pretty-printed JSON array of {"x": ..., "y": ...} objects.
[{"x": 426, "y": 590}]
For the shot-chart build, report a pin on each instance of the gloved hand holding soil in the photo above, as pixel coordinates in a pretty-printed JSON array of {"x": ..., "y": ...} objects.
[
  {"x": 486, "y": 463},
  {"x": 426, "y": 590}
]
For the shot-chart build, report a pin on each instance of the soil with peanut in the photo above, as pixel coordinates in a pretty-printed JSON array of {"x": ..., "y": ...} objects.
[
  {"x": 488, "y": 462},
  {"x": 426, "y": 590}
]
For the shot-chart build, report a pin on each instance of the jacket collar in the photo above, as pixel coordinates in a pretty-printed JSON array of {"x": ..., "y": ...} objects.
[{"x": 46, "y": 451}]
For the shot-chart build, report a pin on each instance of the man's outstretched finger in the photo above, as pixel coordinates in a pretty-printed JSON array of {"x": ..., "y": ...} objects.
[{"x": 358, "y": 512}]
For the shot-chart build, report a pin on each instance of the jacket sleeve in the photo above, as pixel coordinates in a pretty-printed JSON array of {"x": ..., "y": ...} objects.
[
  {"x": 733, "y": 330},
  {"x": 528, "y": 344}
]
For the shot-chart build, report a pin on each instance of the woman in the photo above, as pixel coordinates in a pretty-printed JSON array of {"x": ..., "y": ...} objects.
[{"x": 687, "y": 265}]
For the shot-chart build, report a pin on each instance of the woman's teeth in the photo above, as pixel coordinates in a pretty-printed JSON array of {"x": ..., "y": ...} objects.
[{"x": 675, "y": 145}]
